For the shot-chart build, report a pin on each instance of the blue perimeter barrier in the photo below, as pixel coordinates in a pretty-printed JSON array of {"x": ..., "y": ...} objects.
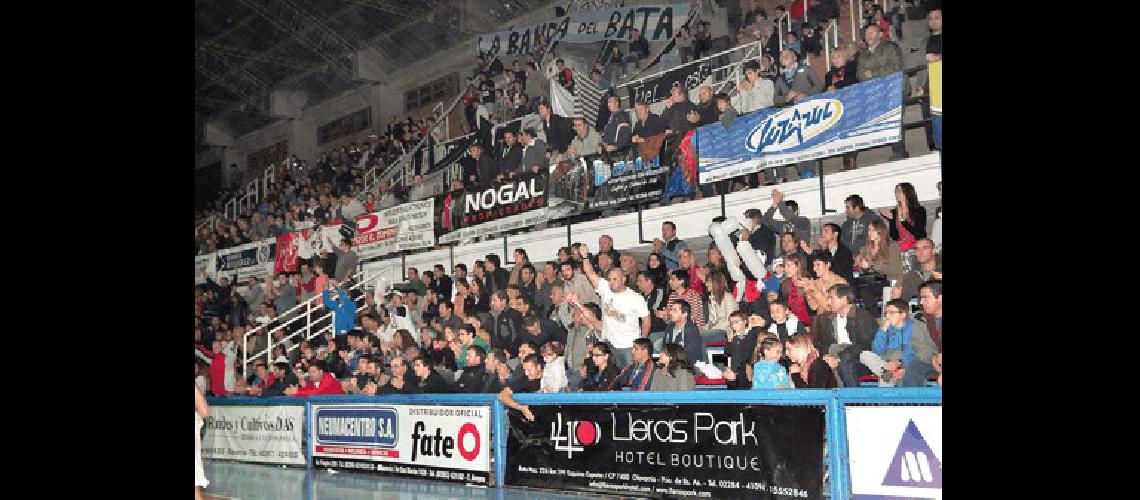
[{"x": 833, "y": 401}]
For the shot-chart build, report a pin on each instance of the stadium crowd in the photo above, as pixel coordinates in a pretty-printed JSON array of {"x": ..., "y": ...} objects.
[
  {"x": 496, "y": 93},
  {"x": 787, "y": 314}
]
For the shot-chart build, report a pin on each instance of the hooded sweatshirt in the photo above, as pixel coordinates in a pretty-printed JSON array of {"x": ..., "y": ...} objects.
[{"x": 853, "y": 232}]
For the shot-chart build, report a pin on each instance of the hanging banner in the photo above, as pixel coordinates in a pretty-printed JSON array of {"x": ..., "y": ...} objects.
[
  {"x": 657, "y": 88},
  {"x": 493, "y": 207},
  {"x": 655, "y": 23},
  {"x": 288, "y": 251},
  {"x": 624, "y": 182},
  {"x": 861, "y": 116},
  {"x": 407, "y": 226},
  {"x": 934, "y": 71},
  {"x": 431, "y": 442},
  {"x": 241, "y": 262},
  {"x": 711, "y": 451},
  {"x": 203, "y": 263},
  {"x": 895, "y": 451},
  {"x": 265, "y": 434}
]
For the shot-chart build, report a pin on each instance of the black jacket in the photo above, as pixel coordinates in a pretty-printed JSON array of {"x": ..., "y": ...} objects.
[
  {"x": 918, "y": 229},
  {"x": 694, "y": 344},
  {"x": 842, "y": 263},
  {"x": 486, "y": 168},
  {"x": 509, "y": 158},
  {"x": 652, "y": 125},
  {"x": 491, "y": 383},
  {"x": 559, "y": 133},
  {"x": 861, "y": 328},
  {"x": 740, "y": 351},
  {"x": 433, "y": 384},
  {"x": 507, "y": 331},
  {"x": 596, "y": 381},
  {"x": 639, "y": 46},
  {"x": 471, "y": 380},
  {"x": 278, "y": 387}
]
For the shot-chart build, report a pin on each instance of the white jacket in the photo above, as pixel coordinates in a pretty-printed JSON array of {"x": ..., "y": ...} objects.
[{"x": 760, "y": 96}]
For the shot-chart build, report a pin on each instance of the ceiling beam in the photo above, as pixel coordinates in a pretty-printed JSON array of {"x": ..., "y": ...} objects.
[
  {"x": 309, "y": 31},
  {"x": 241, "y": 83},
  {"x": 246, "y": 54}
]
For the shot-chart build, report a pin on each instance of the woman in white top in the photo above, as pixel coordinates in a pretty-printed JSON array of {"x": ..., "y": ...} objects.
[
  {"x": 201, "y": 411},
  {"x": 721, "y": 305},
  {"x": 754, "y": 92},
  {"x": 554, "y": 373}
]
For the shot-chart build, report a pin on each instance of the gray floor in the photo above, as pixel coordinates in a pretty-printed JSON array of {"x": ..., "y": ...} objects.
[{"x": 254, "y": 481}]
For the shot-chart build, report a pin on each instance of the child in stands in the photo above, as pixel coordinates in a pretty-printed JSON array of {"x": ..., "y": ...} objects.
[{"x": 766, "y": 370}]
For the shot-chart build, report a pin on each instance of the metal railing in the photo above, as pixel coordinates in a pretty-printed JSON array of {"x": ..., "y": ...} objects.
[
  {"x": 303, "y": 311},
  {"x": 748, "y": 48},
  {"x": 830, "y": 31}
]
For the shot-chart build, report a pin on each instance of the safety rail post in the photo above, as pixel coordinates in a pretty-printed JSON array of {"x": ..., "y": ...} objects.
[
  {"x": 499, "y": 433},
  {"x": 836, "y": 432},
  {"x": 268, "y": 348},
  {"x": 851, "y": 14}
]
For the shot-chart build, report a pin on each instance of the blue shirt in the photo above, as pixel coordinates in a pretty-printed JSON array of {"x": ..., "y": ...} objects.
[
  {"x": 769, "y": 375},
  {"x": 895, "y": 338}
]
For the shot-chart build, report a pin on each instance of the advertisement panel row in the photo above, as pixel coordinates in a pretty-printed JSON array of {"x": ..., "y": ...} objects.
[{"x": 263, "y": 434}]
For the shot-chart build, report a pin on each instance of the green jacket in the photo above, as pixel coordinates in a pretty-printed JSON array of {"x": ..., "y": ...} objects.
[{"x": 887, "y": 58}]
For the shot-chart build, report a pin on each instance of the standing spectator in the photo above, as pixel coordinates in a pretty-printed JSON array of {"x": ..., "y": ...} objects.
[
  {"x": 795, "y": 83},
  {"x": 674, "y": 372},
  {"x": 533, "y": 151},
  {"x": 741, "y": 343},
  {"x": 638, "y": 50},
  {"x": 855, "y": 227},
  {"x": 510, "y": 154},
  {"x": 654, "y": 301},
  {"x": 223, "y": 372},
  {"x": 497, "y": 277},
  {"x": 521, "y": 259},
  {"x": 564, "y": 75},
  {"x": 842, "y": 260},
  {"x": 346, "y": 261},
  {"x": 929, "y": 346},
  {"x": 576, "y": 284},
  {"x": 754, "y": 92},
  {"x": 687, "y": 262},
  {"x": 586, "y": 141},
  {"x": 479, "y": 168},
  {"x": 880, "y": 254},
  {"x": 669, "y": 245},
  {"x": 419, "y": 191},
  {"x": 506, "y": 325},
  {"x": 616, "y": 135},
  {"x": 844, "y": 334},
  {"x": 557, "y": 128},
  {"x": 793, "y": 222},
  {"x": 907, "y": 222},
  {"x": 678, "y": 110},
  {"x": 625, "y": 314},
  {"x": 343, "y": 308},
  {"x": 843, "y": 73},
  {"x": 879, "y": 59},
  {"x": 638, "y": 374}
]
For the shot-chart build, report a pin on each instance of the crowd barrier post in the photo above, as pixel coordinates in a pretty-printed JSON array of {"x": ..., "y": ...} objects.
[
  {"x": 308, "y": 435},
  {"x": 836, "y": 435},
  {"x": 499, "y": 430}
]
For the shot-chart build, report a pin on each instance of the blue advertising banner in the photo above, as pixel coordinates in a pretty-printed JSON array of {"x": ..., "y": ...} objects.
[{"x": 857, "y": 117}]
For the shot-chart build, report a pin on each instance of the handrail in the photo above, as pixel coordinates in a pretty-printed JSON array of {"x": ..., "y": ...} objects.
[
  {"x": 851, "y": 14},
  {"x": 360, "y": 279},
  {"x": 690, "y": 63}
]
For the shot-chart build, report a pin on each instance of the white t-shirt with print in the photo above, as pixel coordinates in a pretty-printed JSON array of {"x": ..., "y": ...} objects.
[{"x": 621, "y": 314}]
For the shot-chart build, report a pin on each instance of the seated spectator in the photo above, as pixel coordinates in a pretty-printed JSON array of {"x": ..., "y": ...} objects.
[
  {"x": 401, "y": 380},
  {"x": 807, "y": 370},
  {"x": 474, "y": 372},
  {"x": 430, "y": 381},
  {"x": 320, "y": 382},
  {"x": 739, "y": 348},
  {"x": 892, "y": 349},
  {"x": 638, "y": 375},
  {"x": 928, "y": 268},
  {"x": 817, "y": 289},
  {"x": 496, "y": 372},
  {"x": 680, "y": 291},
  {"x": 683, "y": 331},
  {"x": 530, "y": 383},
  {"x": 721, "y": 305},
  {"x": 638, "y": 50},
  {"x": 844, "y": 334},
  {"x": 767, "y": 373},
  {"x": 554, "y": 371},
  {"x": 534, "y": 150},
  {"x": 565, "y": 76},
  {"x": 784, "y": 324},
  {"x": 600, "y": 371},
  {"x": 929, "y": 346},
  {"x": 674, "y": 372},
  {"x": 283, "y": 378},
  {"x": 468, "y": 338},
  {"x": 648, "y": 129}
]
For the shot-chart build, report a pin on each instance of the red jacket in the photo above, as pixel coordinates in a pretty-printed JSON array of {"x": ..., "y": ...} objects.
[
  {"x": 329, "y": 385},
  {"x": 217, "y": 371}
]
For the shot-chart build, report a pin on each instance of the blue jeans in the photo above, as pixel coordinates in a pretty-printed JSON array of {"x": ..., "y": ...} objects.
[{"x": 917, "y": 371}]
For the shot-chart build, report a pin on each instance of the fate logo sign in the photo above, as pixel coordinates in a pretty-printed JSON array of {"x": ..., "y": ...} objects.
[
  {"x": 914, "y": 463},
  {"x": 578, "y": 435}
]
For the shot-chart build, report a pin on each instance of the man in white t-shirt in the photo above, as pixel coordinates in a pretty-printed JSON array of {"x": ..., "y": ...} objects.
[{"x": 625, "y": 315}]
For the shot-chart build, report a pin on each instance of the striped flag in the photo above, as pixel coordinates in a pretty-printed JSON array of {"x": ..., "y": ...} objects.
[{"x": 587, "y": 100}]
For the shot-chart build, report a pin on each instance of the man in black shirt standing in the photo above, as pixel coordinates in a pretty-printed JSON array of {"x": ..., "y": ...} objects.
[
  {"x": 676, "y": 115},
  {"x": 506, "y": 324}
]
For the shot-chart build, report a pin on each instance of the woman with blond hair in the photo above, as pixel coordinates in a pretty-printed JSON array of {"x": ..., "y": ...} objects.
[
  {"x": 721, "y": 305},
  {"x": 881, "y": 253},
  {"x": 808, "y": 370},
  {"x": 792, "y": 288}
]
